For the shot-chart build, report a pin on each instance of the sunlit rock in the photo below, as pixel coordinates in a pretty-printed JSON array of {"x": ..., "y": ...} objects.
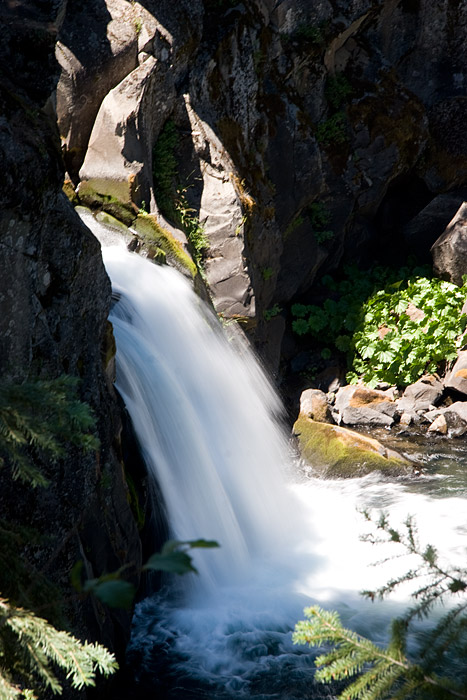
[{"x": 339, "y": 452}]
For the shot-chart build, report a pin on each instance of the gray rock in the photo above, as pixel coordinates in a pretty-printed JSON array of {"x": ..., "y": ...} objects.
[
  {"x": 314, "y": 404},
  {"x": 450, "y": 250},
  {"x": 457, "y": 379},
  {"x": 359, "y": 405},
  {"x": 422, "y": 395},
  {"x": 425, "y": 228}
]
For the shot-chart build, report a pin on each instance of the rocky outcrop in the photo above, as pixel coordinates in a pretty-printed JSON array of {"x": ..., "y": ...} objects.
[
  {"x": 54, "y": 301},
  {"x": 450, "y": 250}
]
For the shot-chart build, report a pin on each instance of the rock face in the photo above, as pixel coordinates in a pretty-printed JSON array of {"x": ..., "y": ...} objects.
[
  {"x": 312, "y": 132},
  {"x": 54, "y": 301}
]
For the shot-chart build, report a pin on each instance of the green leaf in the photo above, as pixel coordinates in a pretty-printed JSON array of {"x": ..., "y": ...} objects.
[
  {"x": 115, "y": 592},
  {"x": 176, "y": 562}
]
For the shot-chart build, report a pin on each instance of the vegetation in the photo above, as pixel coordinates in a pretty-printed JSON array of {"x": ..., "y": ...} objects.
[
  {"x": 171, "y": 195},
  {"x": 435, "y": 669},
  {"x": 337, "y": 90},
  {"x": 40, "y": 419},
  {"x": 393, "y": 334},
  {"x": 333, "y": 131}
]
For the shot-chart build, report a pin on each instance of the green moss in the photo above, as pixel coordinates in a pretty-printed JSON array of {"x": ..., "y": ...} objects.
[
  {"x": 341, "y": 453},
  {"x": 150, "y": 230}
]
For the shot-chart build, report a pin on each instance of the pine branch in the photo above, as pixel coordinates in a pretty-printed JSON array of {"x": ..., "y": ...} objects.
[{"x": 382, "y": 670}]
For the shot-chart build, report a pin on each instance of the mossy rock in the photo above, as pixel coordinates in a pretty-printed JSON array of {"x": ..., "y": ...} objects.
[
  {"x": 89, "y": 194},
  {"x": 337, "y": 452},
  {"x": 147, "y": 226}
]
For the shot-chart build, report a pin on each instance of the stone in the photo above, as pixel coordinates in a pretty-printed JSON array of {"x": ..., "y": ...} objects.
[
  {"x": 450, "y": 250},
  {"x": 457, "y": 379},
  {"x": 359, "y": 405},
  {"x": 426, "y": 227},
  {"x": 117, "y": 162},
  {"x": 439, "y": 425},
  {"x": 337, "y": 452},
  {"x": 422, "y": 395},
  {"x": 314, "y": 404}
]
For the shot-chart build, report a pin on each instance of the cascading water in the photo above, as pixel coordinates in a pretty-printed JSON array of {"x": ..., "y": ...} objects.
[{"x": 207, "y": 422}]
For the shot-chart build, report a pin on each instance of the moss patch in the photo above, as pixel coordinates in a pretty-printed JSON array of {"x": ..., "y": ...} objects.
[
  {"x": 341, "y": 453},
  {"x": 147, "y": 226}
]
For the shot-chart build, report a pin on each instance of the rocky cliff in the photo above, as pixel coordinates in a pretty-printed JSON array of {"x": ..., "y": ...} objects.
[
  {"x": 308, "y": 133},
  {"x": 54, "y": 300}
]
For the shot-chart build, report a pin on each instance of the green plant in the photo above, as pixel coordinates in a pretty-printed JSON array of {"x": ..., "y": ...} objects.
[
  {"x": 164, "y": 167},
  {"x": 435, "y": 666},
  {"x": 333, "y": 131},
  {"x": 40, "y": 419},
  {"x": 189, "y": 221},
  {"x": 113, "y": 590},
  {"x": 393, "y": 334},
  {"x": 267, "y": 273},
  {"x": 407, "y": 330},
  {"x": 171, "y": 196},
  {"x": 275, "y": 310},
  {"x": 337, "y": 90}
]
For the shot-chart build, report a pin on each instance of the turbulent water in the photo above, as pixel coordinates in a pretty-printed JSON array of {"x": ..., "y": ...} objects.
[{"x": 208, "y": 424}]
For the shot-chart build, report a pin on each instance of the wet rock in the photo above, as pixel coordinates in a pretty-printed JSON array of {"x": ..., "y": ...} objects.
[
  {"x": 422, "y": 395},
  {"x": 359, "y": 405},
  {"x": 337, "y": 452},
  {"x": 450, "y": 250},
  {"x": 314, "y": 404},
  {"x": 457, "y": 379}
]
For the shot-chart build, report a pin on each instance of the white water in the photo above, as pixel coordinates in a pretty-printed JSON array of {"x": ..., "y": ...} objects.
[{"x": 207, "y": 421}]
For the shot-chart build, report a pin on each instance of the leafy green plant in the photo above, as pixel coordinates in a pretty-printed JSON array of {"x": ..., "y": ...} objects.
[
  {"x": 267, "y": 273},
  {"x": 333, "y": 131},
  {"x": 39, "y": 420},
  {"x": 394, "y": 334},
  {"x": 434, "y": 668},
  {"x": 189, "y": 221},
  {"x": 407, "y": 330},
  {"x": 275, "y": 310},
  {"x": 113, "y": 590}
]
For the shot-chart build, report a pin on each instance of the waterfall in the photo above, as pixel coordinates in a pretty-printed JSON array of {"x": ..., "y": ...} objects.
[{"x": 208, "y": 424}]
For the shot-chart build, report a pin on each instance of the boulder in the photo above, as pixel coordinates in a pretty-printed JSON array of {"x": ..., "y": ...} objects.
[
  {"x": 426, "y": 227},
  {"x": 314, "y": 404},
  {"x": 98, "y": 48},
  {"x": 337, "y": 452},
  {"x": 457, "y": 379},
  {"x": 450, "y": 250},
  {"x": 422, "y": 395},
  {"x": 359, "y": 405},
  {"x": 118, "y": 159},
  {"x": 439, "y": 425},
  {"x": 454, "y": 416}
]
